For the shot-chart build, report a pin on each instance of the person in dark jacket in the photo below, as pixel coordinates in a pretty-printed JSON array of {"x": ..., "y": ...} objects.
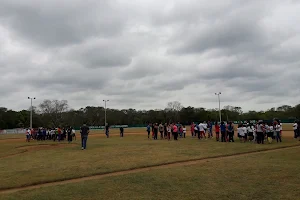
[
  {"x": 298, "y": 128},
  {"x": 155, "y": 131},
  {"x": 69, "y": 131},
  {"x": 107, "y": 130},
  {"x": 121, "y": 132},
  {"x": 84, "y": 131}
]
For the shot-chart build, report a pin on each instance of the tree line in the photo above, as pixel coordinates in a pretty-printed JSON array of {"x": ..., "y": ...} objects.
[{"x": 56, "y": 113}]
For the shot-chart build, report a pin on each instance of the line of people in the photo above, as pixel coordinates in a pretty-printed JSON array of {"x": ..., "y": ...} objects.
[
  {"x": 42, "y": 134},
  {"x": 248, "y": 132},
  {"x": 166, "y": 130}
]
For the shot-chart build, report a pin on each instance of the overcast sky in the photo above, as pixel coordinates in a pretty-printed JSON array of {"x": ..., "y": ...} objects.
[{"x": 145, "y": 53}]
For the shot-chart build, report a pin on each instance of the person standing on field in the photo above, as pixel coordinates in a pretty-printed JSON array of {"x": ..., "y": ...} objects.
[
  {"x": 59, "y": 134},
  {"x": 84, "y": 131},
  {"x": 184, "y": 131},
  {"x": 69, "y": 132},
  {"x": 148, "y": 130},
  {"x": 107, "y": 130},
  {"x": 175, "y": 131},
  {"x": 202, "y": 130},
  {"x": 278, "y": 130},
  {"x": 223, "y": 132},
  {"x": 230, "y": 129},
  {"x": 152, "y": 126},
  {"x": 28, "y": 135},
  {"x": 196, "y": 130},
  {"x": 169, "y": 131},
  {"x": 193, "y": 129},
  {"x": 209, "y": 126},
  {"x": 260, "y": 132},
  {"x": 270, "y": 132},
  {"x": 161, "y": 131},
  {"x": 121, "y": 131},
  {"x": 298, "y": 129},
  {"x": 155, "y": 131},
  {"x": 165, "y": 131},
  {"x": 295, "y": 127},
  {"x": 217, "y": 130},
  {"x": 250, "y": 131}
]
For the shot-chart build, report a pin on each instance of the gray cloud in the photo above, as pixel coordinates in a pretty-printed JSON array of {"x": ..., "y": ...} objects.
[
  {"x": 99, "y": 54},
  {"x": 142, "y": 55},
  {"x": 59, "y": 23}
]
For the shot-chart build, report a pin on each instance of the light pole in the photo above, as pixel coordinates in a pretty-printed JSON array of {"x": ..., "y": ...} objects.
[
  {"x": 105, "y": 109},
  {"x": 219, "y": 93},
  {"x": 31, "y": 108}
]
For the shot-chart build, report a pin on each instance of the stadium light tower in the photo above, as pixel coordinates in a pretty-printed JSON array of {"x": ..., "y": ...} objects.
[
  {"x": 105, "y": 109},
  {"x": 31, "y": 109},
  {"x": 219, "y": 93}
]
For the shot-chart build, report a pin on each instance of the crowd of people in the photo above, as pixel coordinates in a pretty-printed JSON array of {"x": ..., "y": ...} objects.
[
  {"x": 55, "y": 134},
  {"x": 259, "y": 132}
]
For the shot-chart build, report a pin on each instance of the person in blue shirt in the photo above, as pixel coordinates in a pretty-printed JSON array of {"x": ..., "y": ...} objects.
[
  {"x": 148, "y": 130},
  {"x": 230, "y": 130},
  {"x": 209, "y": 126},
  {"x": 223, "y": 132},
  {"x": 44, "y": 134}
]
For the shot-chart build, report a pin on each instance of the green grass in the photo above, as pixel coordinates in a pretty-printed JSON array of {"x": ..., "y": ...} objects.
[
  {"x": 103, "y": 155},
  {"x": 263, "y": 176}
]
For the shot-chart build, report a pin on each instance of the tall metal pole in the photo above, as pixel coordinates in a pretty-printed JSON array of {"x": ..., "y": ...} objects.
[
  {"x": 31, "y": 114},
  {"x": 105, "y": 110},
  {"x": 219, "y": 105},
  {"x": 31, "y": 111}
]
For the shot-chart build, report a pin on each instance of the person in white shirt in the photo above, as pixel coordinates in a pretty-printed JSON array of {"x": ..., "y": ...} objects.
[
  {"x": 270, "y": 132},
  {"x": 278, "y": 128},
  {"x": 250, "y": 131},
  {"x": 73, "y": 134},
  {"x": 184, "y": 131},
  {"x": 254, "y": 133},
  {"x": 241, "y": 132},
  {"x": 169, "y": 132},
  {"x": 202, "y": 130},
  {"x": 197, "y": 131},
  {"x": 52, "y": 134},
  {"x": 28, "y": 135},
  {"x": 295, "y": 127},
  {"x": 260, "y": 132}
]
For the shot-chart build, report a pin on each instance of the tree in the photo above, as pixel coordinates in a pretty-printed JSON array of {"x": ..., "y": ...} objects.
[
  {"x": 53, "y": 113},
  {"x": 54, "y": 109},
  {"x": 284, "y": 108},
  {"x": 173, "y": 109},
  {"x": 174, "y": 106}
]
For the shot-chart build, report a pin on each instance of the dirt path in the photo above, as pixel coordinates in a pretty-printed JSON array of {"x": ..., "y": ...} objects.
[
  {"x": 29, "y": 148},
  {"x": 143, "y": 169}
]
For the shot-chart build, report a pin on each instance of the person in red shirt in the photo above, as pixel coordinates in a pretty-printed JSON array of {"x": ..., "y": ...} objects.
[
  {"x": 193, "y": 129},
  {"x": 217, "y": 130},
  {"x": 175, "y": 131},
  {"x": 59, "y": 134}
]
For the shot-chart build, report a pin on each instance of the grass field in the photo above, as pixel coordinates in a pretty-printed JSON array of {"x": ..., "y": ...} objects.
[{"x": 245, "y": 176}]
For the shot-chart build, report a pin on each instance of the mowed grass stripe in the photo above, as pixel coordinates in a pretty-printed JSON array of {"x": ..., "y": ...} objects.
[{"x": 142, "y": 169}]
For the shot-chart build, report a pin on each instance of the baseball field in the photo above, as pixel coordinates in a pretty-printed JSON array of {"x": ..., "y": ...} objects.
[{"x": 135, "y": 167}]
